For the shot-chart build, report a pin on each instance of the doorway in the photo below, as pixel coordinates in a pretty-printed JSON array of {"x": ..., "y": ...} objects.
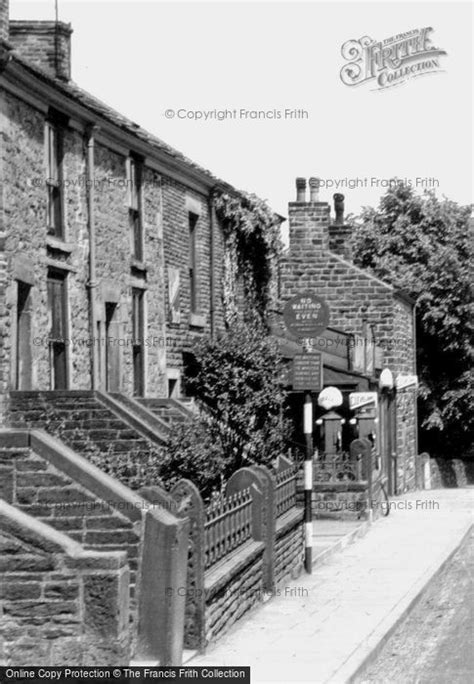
[
  {"x": 23, "y": 356},
  {"x": 57, "y": 341},
  {"x": 112, "y": 349},
  {"x": 138, "y": 332}
]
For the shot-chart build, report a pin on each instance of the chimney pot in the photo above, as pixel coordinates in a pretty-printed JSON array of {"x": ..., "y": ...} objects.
[
  {"x": 301, "y": 189},
  {"x": 314, "y": 184},
  {"x": 338, "y": 208}
]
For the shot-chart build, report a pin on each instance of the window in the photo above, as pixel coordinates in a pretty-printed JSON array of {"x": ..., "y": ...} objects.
[
  {"x": 135, "y": 217},
  {"x": 138, "y": 335},
  {"x": 193, "y": 282},
  {"x": 54, "y": 156},
  {"x": 56, "y": 285}
]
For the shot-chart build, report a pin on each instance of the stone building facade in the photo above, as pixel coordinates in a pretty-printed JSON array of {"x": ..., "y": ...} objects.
[
  {"x": 113, "y": 256},
  {"x": 361, "y": 305}
]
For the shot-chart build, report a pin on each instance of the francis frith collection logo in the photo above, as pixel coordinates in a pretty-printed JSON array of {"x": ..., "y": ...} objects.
[{"x": 392, "y": 61}]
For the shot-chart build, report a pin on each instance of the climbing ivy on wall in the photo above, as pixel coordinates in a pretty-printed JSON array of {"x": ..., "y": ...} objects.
[{"x": 252, "y": 234}]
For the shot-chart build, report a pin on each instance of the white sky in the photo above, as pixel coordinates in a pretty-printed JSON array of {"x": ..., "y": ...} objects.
[{"x": 145, "y": 57}]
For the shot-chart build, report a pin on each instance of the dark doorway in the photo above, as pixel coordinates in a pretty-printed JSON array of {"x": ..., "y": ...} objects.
[
  {"x": 112, "y": 370},
  {"x": 138, "y": 332},
  {"x": 23, "y": 337},
  {"x": 56, "y": 285}
]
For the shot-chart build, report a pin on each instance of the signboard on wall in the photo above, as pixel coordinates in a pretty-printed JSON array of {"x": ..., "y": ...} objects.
[
  {"x": 358, "y": 400},
  {"x": 306, "y": 315},
  {"x": 308, "y": 371},
  {"x": 404, "y": 381}
]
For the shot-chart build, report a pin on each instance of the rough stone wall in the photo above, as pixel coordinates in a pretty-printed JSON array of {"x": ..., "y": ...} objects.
[
  {"x": 39, "y": 489},
  {"x": 353, "y": 296},
  {"x": 403, "y": 360},
  {"x": 114, "y": 264},
  {"x": 25, "y": 197},
  {"x": 25, "y": 203},
  {"x": 289, "y": 553},
  {"x": 176, "y": 208},
  {"x": 236, "y": 596},
  {"x": 59, "y": 604}
]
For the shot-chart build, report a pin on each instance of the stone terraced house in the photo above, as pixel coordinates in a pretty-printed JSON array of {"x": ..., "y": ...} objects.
[
  {"x": 113, "y": 261},
  {"x": 114, "y": 258}
]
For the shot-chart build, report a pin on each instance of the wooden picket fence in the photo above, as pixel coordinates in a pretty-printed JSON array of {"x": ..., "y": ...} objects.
[{"x": 249, "y": 510}]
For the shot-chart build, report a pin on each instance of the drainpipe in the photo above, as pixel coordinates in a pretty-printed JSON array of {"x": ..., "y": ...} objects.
[
  {"x": 92, "y": 284},
  {"x": 212, "y": 223}
]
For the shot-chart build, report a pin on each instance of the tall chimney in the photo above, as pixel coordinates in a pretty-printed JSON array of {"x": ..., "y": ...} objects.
[
  {"x": 340, "y": 233},
  {"x": 301, "y": 189},
  {"x": 308, "y": 221},
  {"x": 314, "y": 189},
  {"x": 4, "y": 21},
  {"x": 46, "y": 44}
]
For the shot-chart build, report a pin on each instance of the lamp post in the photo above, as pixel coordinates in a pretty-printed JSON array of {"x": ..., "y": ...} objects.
[{"x": 388, "y": 390}]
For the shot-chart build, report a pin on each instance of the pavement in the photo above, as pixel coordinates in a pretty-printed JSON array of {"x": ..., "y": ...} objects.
[{"x": 326, "y": 627}]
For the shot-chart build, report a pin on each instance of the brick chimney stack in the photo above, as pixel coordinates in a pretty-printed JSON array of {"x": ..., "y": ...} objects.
[
  {"x": 46, "y": 44},
  {"x": 4, "y": 20},
  {"x": 308, "y": 220},
  {"x": 339, "y": 232}
]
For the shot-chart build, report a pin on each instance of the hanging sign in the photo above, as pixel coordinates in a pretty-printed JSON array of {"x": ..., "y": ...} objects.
[
  {"x": 308, "y": 371},
  {"x": 306, "y": 315}
]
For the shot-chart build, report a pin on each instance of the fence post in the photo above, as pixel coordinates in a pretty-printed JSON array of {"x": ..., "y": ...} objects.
[
  {"x": 163, "y": 571},
  {"x": 245, "y": 478},
  {"x": 425, "y": 470},
  {"x": 268, "y": 482},
  {"x": 190, "y": 504},
  {"x": 361, "y": 449}
]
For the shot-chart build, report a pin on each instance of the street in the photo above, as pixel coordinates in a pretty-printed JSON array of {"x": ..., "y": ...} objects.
[{"x": 434, "y": 644}]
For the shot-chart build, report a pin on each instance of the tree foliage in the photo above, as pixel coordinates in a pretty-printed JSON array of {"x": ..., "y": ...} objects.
[
  {"x": 423, "y": 245},
  {"x": 236, "y": 382}
]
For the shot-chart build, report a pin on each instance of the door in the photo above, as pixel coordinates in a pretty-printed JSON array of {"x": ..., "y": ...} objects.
[
  {"x": 23, "y": 337},
  {"x": 57, "y": 343},
  {"x": 138, "y": 333},
  {"x": 112, "y": 349}
]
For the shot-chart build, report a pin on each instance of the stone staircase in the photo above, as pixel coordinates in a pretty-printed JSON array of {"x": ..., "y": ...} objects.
[
  {"x": 34, "y": 486},
  {"x": 169, "y": 410},
  {"x": 92, "y": 424}
]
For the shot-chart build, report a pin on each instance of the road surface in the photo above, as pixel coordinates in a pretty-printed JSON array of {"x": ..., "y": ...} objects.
[{"x": 435, "y": 644}]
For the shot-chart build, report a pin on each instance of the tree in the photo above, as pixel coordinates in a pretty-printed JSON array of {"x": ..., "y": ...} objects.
[
  {"x": 423, "y": 245},
  {"x": 236, "y": 382}
]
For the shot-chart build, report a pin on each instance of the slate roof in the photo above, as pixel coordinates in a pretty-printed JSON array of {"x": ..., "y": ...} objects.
[{"x": 101, "y": 109}]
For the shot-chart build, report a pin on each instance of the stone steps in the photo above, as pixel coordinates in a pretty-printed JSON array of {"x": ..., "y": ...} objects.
[
  {"x": 167, "y": 411},
  {"x": 37, "y": 488},
  {"x": 84, "y": 424}
]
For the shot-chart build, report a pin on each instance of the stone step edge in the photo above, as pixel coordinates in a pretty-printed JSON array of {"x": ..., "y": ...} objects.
[{"x": 345, "y": 540}]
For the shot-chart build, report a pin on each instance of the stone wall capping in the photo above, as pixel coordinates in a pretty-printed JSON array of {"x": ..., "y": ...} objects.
[{"x": 59, "y": 245}]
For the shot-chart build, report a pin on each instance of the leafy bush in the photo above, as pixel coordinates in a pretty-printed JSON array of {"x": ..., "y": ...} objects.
[
  {"x": 236, "y": 380},
  {"x": 193, "y": 453}
]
